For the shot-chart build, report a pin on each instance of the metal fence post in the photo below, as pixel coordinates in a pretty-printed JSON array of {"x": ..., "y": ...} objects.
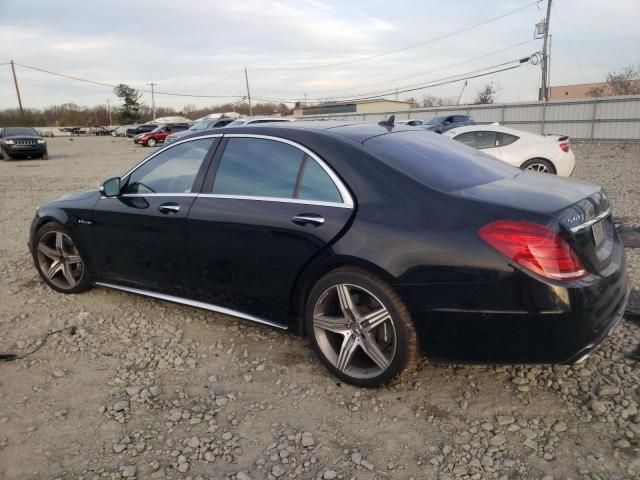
[
  {"x": 504, "y": 107},
  {"x": 544, "y": 117},
  {"x": 593, "y": 118}
]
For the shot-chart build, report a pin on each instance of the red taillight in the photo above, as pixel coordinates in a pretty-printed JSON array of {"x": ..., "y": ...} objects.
[
  {"x": 564, "y": 147},
  {"x": 534, "y": 247}
]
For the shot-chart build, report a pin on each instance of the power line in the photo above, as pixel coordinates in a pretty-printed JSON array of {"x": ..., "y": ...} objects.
[
  {"x": 217, "y": 82},
  {"x": 419, "y": 44},
  {"x": 438, "y": 69},
  {"x": 102, "y": 84}
]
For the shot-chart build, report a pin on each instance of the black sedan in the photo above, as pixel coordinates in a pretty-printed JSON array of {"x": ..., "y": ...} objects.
[
  {"x": 22, "y": 142},
  {"x": 375, "y": 241}
]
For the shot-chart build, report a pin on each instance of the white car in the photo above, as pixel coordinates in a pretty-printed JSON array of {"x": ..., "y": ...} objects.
[
  {"x": 529, "y": 151},
  {"x": 409, "y": 123},
  {"x": 258, "y": 120}
]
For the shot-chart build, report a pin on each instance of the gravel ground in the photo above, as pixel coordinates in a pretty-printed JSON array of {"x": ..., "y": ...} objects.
[{"x": 148, "y": 389}]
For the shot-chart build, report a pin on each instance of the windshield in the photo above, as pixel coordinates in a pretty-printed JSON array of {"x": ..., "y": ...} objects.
[
  {"x": 438, "y": 162},
  {"x": 200, "y": 125},
  {"x": 435, "y": 121},
  {"x": 10, "y": 132}
]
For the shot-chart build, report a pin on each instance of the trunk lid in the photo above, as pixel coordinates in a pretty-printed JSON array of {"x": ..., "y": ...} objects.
[{"x": 581, "y": 210}]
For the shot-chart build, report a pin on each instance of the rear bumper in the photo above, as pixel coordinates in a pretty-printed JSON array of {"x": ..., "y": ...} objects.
[{"x": 519, "y": 319}]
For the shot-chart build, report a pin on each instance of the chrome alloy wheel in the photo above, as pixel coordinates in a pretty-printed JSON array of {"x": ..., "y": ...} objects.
[
  {"x": 59, "y": 260},
  {"x": 539, "y": 167},
  {"x": 354, "y": 330}
]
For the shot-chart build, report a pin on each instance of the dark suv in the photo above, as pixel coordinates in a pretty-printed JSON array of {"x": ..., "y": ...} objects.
[
  {"x": 22, "y": 142},
  {"x": 144, "y": 128},
  {"x": 447, "y": 122}
]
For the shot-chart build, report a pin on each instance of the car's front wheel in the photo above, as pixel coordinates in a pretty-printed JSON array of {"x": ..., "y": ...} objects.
[
  {"x": 360, "y": 328},
  {"x": 151, "y": 142},
  {"x": 58, "y": 260}
]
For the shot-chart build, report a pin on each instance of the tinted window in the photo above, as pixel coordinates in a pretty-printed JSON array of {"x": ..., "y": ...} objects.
[
  {"x": 172, "y": 171},
  {"x": 10, "y": 132},
  {"x": 259, "y": 168},
  {"x": 459, "y": 119},
  {"x": 437, "y": 162},
  {"x": 317, "y": 185},
  {"x": 506, "y": 139},
  {"x": 435, "y": 120},
  {"x": 478, "y": 139}
]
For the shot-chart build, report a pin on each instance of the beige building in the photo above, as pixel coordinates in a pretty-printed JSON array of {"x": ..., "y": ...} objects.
[
  {"x": 581, "y": 90},
  {"x": 356, "y": 106}
]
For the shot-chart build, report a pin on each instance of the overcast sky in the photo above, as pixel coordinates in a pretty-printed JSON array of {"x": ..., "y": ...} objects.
[{"x": 189, "y": 47}]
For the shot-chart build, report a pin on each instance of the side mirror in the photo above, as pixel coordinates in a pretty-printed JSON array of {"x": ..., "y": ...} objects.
[{"x": 111, "y": 187}]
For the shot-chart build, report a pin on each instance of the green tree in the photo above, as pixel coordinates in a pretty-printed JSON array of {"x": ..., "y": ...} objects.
[{"x": 129, "y": 112}]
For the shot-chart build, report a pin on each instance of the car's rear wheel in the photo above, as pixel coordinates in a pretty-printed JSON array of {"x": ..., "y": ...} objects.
[
  {"x": 360, "y": 328},
  {"x": 151, "y": 142},
  {"x": 539, "y": 165},
  {"x": 58, "y": 260}
]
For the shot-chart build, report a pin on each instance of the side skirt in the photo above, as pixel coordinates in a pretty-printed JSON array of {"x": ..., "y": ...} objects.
[{"x": 194, "y": 303}]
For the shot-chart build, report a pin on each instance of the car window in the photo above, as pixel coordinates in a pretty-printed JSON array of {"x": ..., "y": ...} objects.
[
  {"x": 171, "y": 171},
  {"x": 258, "y": 168},
  {"x": 505, "y": 139},
  {"x": 478, "y": 139},
  {"x": 437, "y": 162},
  {"x": 316, "y": 184},
  {"x": 459, "y": 119}
]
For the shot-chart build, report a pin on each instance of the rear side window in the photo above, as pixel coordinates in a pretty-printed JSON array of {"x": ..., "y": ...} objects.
[
  {"x": 506, "y": 139},
  {"x": 437, "y": 162},
  {"x": 316, "y": 184}
]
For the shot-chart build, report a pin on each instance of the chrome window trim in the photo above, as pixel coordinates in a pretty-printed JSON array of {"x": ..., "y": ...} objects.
[
  {"x": 347, "y": 200},
  {"x": 589, "y": 223},
  {"x": 164, "y": 148},
  {"x": 276, "y": 199},
  {"x": 194, "y": 303}
]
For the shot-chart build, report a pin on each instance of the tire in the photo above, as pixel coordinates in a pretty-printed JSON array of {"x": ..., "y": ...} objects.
[
  {"x": 5, "y": 156},
  {"x": 347, "y": 347},
  {"x": 51, "y": 243},
  {"x": 151, "y": 142},
  {"x": 45, "y": 156},
  {"x": 539, "y": 165}
]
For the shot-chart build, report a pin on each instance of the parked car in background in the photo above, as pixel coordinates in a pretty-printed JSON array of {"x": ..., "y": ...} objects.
[
  {"x": 377, "y": 242},
  {"x": 207, "y": 124},
  {"x": 410, "y": 123},
  {"x": 22, "y": 142},
  {"x": 100, "y": 131},
  {"x": 144, "y": 128},
  {"x": 258, "y": 120},
  {"x": 159, "y": 135},
  {"x": 447, "y": 122},
  {"x": 529, "y": 151}
]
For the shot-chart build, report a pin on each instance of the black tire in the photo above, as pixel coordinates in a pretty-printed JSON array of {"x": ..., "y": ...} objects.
[
  {"x": 151, "y": 142},
  {"x": 541, "y": 163},
  {"x": 82, "y": 280},
  {"x": 405, "y": 354},
  {"x": 45, "y": 156},
  {"x": 5, "y": 156}
]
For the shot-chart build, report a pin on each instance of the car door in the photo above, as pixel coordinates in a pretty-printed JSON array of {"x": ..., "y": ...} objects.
[
  {"x": 140, "y": 235},
  {"x": 267, "y": 207}
]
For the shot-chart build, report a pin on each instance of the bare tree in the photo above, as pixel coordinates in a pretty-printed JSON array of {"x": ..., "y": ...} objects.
[
  {"x": 486, "y": 94},
  {"x": 433, "y": 101},
  {"x": 625, "y": 81}
]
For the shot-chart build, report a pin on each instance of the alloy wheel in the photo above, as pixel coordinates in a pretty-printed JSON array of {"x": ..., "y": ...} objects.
[
  {"x": 59, "y": 260},
  {"x": 539, "y": 167},
  {"x": 354, "y": 331}
]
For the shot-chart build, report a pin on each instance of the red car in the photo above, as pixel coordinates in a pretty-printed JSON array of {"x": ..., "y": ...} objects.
[{"x": 158, "y": 135}]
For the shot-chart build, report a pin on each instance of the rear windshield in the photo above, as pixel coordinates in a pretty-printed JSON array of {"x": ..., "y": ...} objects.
[
  {"x": 438, "y": 162},
  {"x": 11, "y": 132}
]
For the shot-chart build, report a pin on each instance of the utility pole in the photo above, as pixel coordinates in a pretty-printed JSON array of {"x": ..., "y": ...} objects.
[
  {"x": 461, "y": 91},
  {"x": 109, "y": 111},
  {"x": 15, "y": 80},
  {"x": 544, "y": 92},
  {"x": 153, "y": 99},
  {"x": 246, "y": 79}
]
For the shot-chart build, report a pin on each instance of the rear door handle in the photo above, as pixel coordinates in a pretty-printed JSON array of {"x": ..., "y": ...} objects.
[
  {"x": 305, "y": 219},
  {"x": 169, "y": 208}
]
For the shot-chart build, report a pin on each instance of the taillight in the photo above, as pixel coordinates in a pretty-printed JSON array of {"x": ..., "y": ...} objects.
[
  {"x": 564, "y": 147},
  {"x": 534, "y": 247}
]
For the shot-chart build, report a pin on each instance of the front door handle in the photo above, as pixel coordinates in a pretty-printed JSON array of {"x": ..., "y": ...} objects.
[
  {"x": 305, "y": 219},
  {"x": 169, "y": 208}
]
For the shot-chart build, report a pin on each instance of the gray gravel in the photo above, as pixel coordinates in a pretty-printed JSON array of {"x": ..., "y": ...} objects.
[{"x": 146, "y": 389}]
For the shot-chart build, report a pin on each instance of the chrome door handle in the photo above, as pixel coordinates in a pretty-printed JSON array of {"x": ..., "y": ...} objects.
[
  {"x": 305, "y": 219},
  {"x": 169, "y": 208}
]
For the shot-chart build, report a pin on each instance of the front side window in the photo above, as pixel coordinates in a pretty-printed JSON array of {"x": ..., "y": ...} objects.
[
  {"x": 478, "y": 139},
  {"x": 171, "y": 171},
  {"x": 256, "y": 167}
]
